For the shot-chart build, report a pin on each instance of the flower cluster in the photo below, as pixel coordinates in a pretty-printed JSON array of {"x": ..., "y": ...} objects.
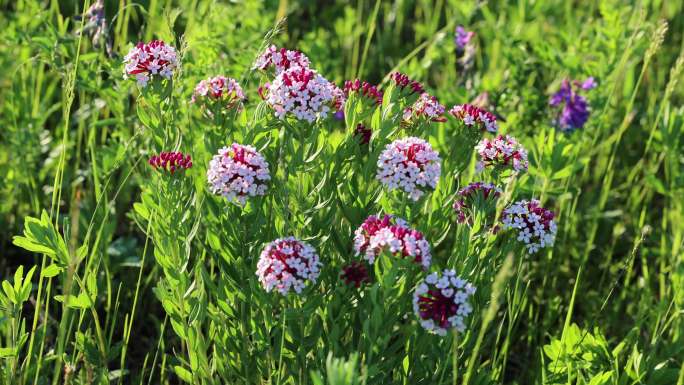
[
  {"x": 170, "y": 161},
  {"x": 472, "y": 194},
  {"x": 406, "y": 85},
  {"x": 471, "y": 115},
  {"x": 237, "y": 173},
  {"x": 573, "y": 108},
  {"x": 96, "y": 26},
  {"x": 219, "y": 88},
  {"x": 502, "y": 152},
  {"x": 339, "y": 98},
  {"x": 281, "y": 59},
  {"x": 411, "y": 165},
  {"x": 391, "y": 234},
  {"x": 462, "y": 38},
  {"x": 363, "y": 133},
  {"x": 465, "y": 49},
  {"x": 441, "y": 302},
  {"x": 144, "y": 61},
  {"x": 364, "y": 89},
  {"x": 535, "y": 224},
  {"x": 287, "y": 263},
  {"x": 427, "y": 107},
  {"x": 302, "y": 92},
  {"x": 355, "y": 273}
]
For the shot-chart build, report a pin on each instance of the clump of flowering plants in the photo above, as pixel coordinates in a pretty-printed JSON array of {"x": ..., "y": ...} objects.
[{"x": 227, "y": 225}]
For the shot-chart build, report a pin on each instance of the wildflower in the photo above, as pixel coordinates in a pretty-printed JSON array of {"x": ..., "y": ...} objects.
[
  {"x": 391, "y": 234},
  {"x": 471, "y": 115},
  {"x": 96, "y": 25},
  {"x": 462, "y": 38},
  {"x": 237, "y": 173},
  {"x": 441, "y": 302},
  {"x": 302, "y": 92},
  {"x": 426, "y": 107},
  {"x": 355, "y": 274},
  {"x": 573, "y": 108},
  {"x": 287, "y": 263},
  {"x": 406, "y": 85},
  {"x": 281, "y": 59},
  {"x": 220, "y": 89},
  {"x": 535, "y": 225},
  {"x": 364, "y": 89},
  {"x": 471, "y": 195},
  {"x": 465, "y": 49},
  {"x": 363, "y": 133},
  {"x": 502, "y": 152},
  {"x": 170, "y": 162},
  {"x": 411, "y": 165},
  {"x": 339, "y": 99},
  {"x": 145, "y": 61}
]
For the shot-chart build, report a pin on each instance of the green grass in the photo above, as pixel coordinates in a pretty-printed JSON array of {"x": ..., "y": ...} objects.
[{"x": 141, "y": 279}]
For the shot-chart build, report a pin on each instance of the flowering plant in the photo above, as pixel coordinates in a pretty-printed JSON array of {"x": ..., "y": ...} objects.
[
  {"x": 411, "y": 165},
  {"x": 287, "y": 264},
  {"x": 150, "y": 61},
  {"x": 535, "y": 225},
  {"x": 237, "y": 173},
  {"x": 441, "y": 302}
]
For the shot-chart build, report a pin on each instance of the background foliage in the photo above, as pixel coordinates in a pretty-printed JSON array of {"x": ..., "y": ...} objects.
[{"x": 107, "y": 302}]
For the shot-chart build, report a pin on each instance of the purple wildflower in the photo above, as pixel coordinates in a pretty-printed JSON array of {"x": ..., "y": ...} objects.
[
  {"x": 574, "y": 108},
  {"x": 462, "y": 37}
]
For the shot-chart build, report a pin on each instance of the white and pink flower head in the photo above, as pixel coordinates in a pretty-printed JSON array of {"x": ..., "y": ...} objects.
[
  {"x": 391, "y": 234},
  {"x": 280, "y": 59},
  {"x": 301, "y": 92},
  {"x": 427, "y": 107},
  {"x": 287, "y": 264},
  {"x": 218, "y": 89},
  {"x": 504, "y": 152},
  {"x": 473, "y": 195},
  {"x": 146, "y": 62},
  {"x": 441, "y": 302},
  {"x": 535, "y": 225},
  {"x": 472, "y": 115},
  {"x": 411, "y": 165},
  {"x": 237, "y": 173}
]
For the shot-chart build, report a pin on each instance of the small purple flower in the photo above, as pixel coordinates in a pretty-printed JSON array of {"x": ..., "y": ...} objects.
[
  {"x": 574, "y": 108},
  {"x": 589, "y": 83},
  {"x": 462, "y": 37}
]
